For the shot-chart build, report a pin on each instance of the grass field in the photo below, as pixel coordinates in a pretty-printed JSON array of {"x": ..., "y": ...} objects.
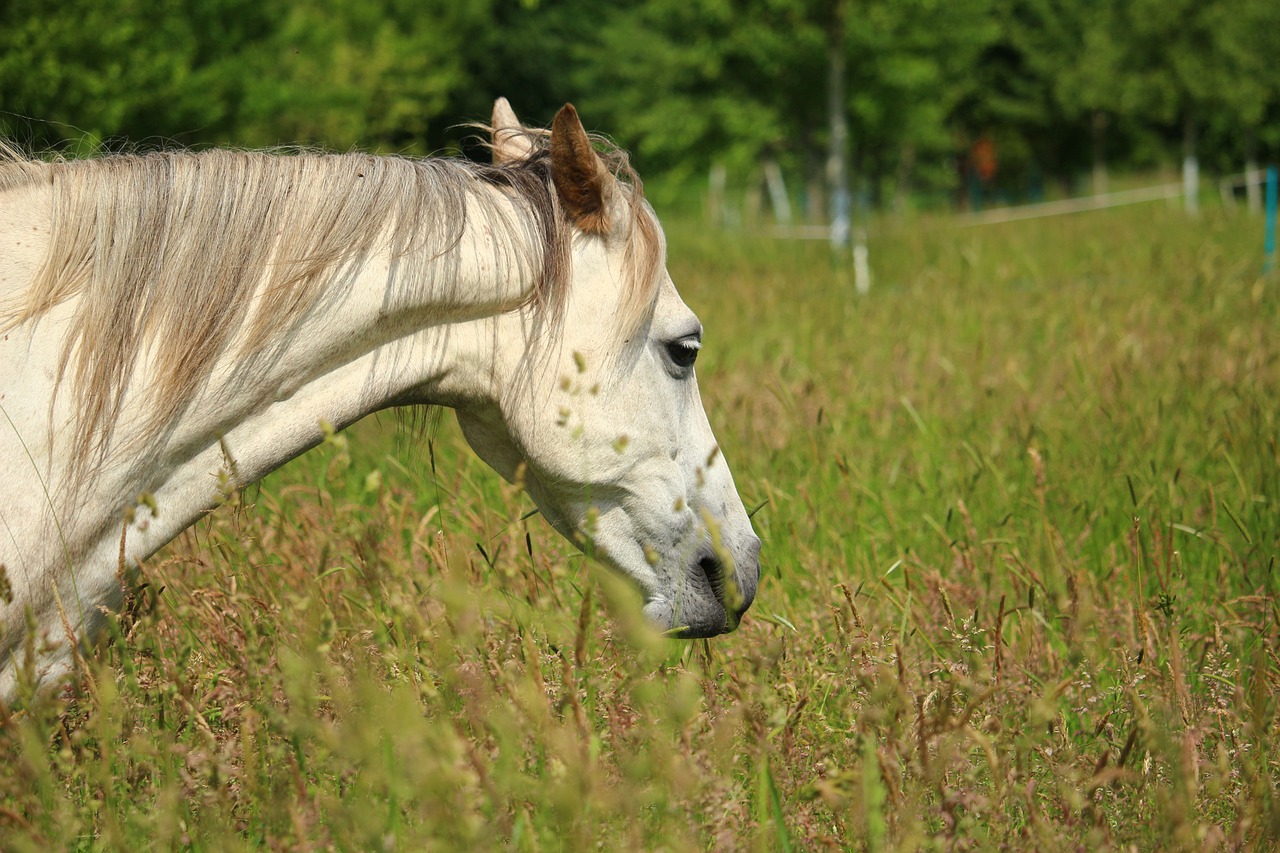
[{"x": 1021, "y": 512}]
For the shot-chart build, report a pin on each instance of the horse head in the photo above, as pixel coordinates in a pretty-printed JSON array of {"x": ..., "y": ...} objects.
[{"x": 603, "y": 423}]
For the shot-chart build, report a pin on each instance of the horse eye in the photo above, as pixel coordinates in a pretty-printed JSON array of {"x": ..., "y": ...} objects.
[{"x": 683, "y": 353}]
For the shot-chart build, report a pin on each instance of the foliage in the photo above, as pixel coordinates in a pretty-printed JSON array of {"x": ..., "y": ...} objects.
[
  {"x": 90, "y": 70},
  {"x": 737, "y": 78},
  {"x": 1022, "y": 519},
  {"x": 250, "y": 73},
  {"x": 688, "y": 83}
]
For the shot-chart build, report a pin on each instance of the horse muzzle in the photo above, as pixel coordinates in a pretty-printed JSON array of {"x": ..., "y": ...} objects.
[{"x": 713, "y": 597}]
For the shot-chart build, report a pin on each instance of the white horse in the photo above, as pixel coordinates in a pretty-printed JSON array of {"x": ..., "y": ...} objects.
[{"x": 174, "y": 325}]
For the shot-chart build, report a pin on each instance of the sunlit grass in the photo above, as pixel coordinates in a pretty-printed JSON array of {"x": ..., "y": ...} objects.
[{"x": 1021, "y": 522}]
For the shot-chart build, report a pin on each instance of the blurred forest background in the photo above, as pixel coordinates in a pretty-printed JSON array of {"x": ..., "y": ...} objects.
[{"x": 1059, "y": 92}]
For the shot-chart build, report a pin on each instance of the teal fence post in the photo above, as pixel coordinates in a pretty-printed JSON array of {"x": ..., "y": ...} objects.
[{"x": 1270, "y": 260}]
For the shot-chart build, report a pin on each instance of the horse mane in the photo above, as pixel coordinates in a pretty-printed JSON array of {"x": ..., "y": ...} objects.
[{"x": 184, "y": 255}]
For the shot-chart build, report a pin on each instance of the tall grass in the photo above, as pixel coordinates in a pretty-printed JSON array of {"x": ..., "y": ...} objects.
[{"x": 1021, "y": 509}]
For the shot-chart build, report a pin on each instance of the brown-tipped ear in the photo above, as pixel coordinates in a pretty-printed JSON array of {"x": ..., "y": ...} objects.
[
  {"x": 579, "y": 175},
  {"x": 510, "y": 141}
]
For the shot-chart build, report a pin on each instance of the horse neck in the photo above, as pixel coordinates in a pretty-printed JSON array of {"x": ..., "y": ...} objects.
[
  {"x": 395, "y": 322},
  {"x": 391, "y": 326}
]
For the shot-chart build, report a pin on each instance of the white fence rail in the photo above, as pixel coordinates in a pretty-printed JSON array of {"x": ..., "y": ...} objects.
[{"x": 1071, "y": 205}]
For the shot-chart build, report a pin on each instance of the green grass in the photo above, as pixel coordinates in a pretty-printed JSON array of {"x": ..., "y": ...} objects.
[{"x": 1019, "y": 591}]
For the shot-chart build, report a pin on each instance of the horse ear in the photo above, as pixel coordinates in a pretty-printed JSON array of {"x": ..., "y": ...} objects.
[
  {"x": 510, "y": 142},
  {"x": 580, "y": 177}
]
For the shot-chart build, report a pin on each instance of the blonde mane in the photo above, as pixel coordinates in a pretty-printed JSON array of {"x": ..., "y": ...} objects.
[{"x": 165, "y": 253}]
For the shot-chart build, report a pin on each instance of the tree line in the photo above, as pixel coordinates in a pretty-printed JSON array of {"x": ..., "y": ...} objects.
[{"x": 925, "y": 91}]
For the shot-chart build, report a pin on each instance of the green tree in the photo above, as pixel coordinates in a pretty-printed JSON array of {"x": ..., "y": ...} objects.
[
  {"x": 911, "y": 68},
  {"x": 1192, "y": 61},
  {"x": 82, "y": 71},
  {"x": 373, "y": 73},
  {"x": 1073, "y": 55},
  {"x": 370, "y": 74},
  {"x": 1249, "y": 36},
  {"x": 692, "y": 81},
  {"x": 688, "y": 81}
]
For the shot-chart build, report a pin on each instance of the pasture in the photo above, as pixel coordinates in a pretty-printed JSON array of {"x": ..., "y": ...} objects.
[{"x": 1021, "y": 514}]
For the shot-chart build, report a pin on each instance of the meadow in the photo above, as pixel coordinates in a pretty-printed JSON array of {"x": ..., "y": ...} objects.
[{"x": 1021, "y": 514}]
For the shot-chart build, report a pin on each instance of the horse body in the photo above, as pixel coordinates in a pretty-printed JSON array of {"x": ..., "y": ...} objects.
[{"x": 171, "y": 353}]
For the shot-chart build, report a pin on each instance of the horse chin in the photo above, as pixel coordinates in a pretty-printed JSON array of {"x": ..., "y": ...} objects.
[{"x": 689, "y": 620}]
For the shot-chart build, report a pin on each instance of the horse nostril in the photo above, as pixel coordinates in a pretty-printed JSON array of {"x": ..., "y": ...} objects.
[{"x": 713, "y": 570}]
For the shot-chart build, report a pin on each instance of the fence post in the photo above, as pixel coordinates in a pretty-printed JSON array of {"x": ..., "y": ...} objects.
[
  {"x": 716, "y": 182},
  {"x": 1270, "y": 241},
  {"x": 861, "y": 266},
  {"x": 777, "y": 192}
]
